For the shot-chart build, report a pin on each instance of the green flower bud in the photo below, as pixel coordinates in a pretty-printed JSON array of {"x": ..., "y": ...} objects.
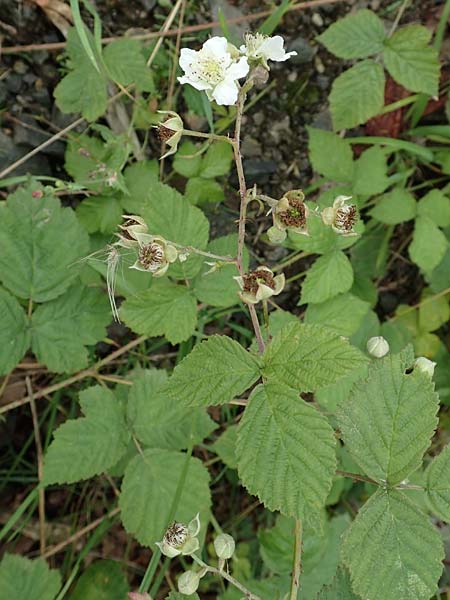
[
  {"x": 224, "y": 545},
  {"x": 377, "y": 346},
  {"x": 188, "y": 582}
]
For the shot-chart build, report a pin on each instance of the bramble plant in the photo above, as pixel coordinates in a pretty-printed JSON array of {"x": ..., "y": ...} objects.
[{"x": 318, "y": 403}]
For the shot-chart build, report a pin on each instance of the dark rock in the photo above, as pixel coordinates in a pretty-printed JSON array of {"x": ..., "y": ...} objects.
[
  {"x": 305, "y": 52},
  {"x": 14, "y": 82}
]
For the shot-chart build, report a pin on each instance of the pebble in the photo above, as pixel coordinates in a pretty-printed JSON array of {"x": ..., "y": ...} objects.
[
  {"x": 305, "y": 52},
  {"x": 317, "y": 20},
  {"x": 250, "y": 147}
]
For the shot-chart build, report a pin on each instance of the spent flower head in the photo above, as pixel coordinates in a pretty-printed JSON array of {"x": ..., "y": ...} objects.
[
  {"x": 170, "y": 131},
  {"x": 180, "y": 539},
  {"x": 214, "y": 69},
  {"x": 155, "y": 254},
  {"x": 259, "y": 284},
  {"x": 261, "y": 48},
  {"x": 341, "y": 216},
  {"x": 132, "y": 225},
  {"x": 289, "y": 213}
]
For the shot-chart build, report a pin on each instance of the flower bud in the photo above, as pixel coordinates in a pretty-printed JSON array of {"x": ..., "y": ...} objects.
[
  {"x": 424, "y": 365},
  {"x": 377, "y": 346},
  {"x": 224, "y": 546},
  {"x": 188, "y": 582}
]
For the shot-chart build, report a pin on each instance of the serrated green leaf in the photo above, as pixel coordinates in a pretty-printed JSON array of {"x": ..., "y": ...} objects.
[
  {"x": 438, "y": 484},
  {"x": 309, "y": 357},
  {"x": 61, "y": 329},
  {"x": 219, "y": 288},
  {"x": 164, "y": 309},
  {"x": 439, "y": 278},
  {"x": 339, "y": 589},
  {"x": 392, "y": 550},
  {"x": 429, "y": 244},
  {"x": 162, "y": 422},
  {"x": 82, "y": 91},
  {"x": 436, "y": 206},
  {"x": 330, "y": 155},
  {"x": 187, "y": 161},
  {"x": 217, "y": 160},
  {"x": 90, "y": 445},
  {"x": 41, "y": 243},
  {"x": 371, "y": 172},
  {"x": 357, "y": 35},
  {"x": 343, "y": 314},
  {"x": 102, "y": 580},
  {"x": 330, "y": 275},
  {"x": 14, "y": 332},
  {"x": 285, "y": 451},
  {"x": 357, "y": 94},
  {"x": 388, "y": 420},
  {"x": 139, "y": 177},
  {"x": 25, "y": 579},
  {"x": 411, "y": 62},
  {"x": 395, "y": 207},
  {"x": 203, "y": 191},
  {"x": 100, "y": 213},
  {"x": 148, "y": 489},
  {"x": 216, "y": 371},
  {"x": 225, "y": 446},
  {"x": 170, "y": 215},
  {"x": 126, "y": 64}
]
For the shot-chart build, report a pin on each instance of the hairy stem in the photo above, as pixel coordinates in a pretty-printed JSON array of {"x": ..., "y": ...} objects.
[
  {"x": 297, "y": 566},
  {"x": 210, "y": 136},
  {"x": 227, "y": 576},
  {"x": 243, "y": 208}
]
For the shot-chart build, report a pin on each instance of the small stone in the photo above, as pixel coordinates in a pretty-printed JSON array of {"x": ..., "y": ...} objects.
[
  {"x": 320, "y": 68},
  {"x": 317, "y": 20},
  {"x": 305, "y": 52},
  {"x": 258, "y": 118},
  {"x": 250, "y": 147},
  {"x": 20, "y": 67}
]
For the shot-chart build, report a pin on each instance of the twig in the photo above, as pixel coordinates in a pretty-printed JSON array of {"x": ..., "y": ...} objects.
[
  {"x": 73, "y": 538},
  {"x": 172, "y": 32},
  {"x": 398, "y": 17},
  {"x": 40, "y": 465},
  {"x": 92, "y": 372},
  {"x": 297, "y": 566},
  {"x": 226, "y": 576},
  {"x": 165, "y": 28}
]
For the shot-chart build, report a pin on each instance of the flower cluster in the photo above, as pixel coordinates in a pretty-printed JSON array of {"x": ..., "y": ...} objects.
[{"x": 217, "y": 67}]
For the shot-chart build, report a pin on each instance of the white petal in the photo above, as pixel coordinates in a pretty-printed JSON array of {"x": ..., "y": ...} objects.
[
  {"x": 198, "y": 85},
  {"x": 240, "y": 281},
  {"x": 226, "y": 93},
  {"x": 217, "y": 46},
  {"x": 238, "y": 70},
  {"x": 187, "y": 57},
  {"x": 272, "y": 48}
]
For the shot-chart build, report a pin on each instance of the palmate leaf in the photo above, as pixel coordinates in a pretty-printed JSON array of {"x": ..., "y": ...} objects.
[
  {"x": 330, "y": 275},
  {"x": 214, "y": 372},
  {"x": 162, "y": 422},
  {"x": 164, "y": 309},
  {"x": 148, "y": 490},
  {"x": 392, "y": 550},
  {"x": 309, "y": 357},
  {"x": 357, "y": 94},
  {"x": 355, "y": 36},
  {"x": 61, "y": 329},
  {"x": 169, "y": 215},
  {"x": 89, "y": 445},
  {"x": 14, "y": 332},
  {"x": 438, "y": 484},
  {"x": 343, "y": 314},
  {"x": 395, "y": 207},
  {"x": 388, "y": 420},
  {"x": 41, "y": 244},
  {"x": 285, "y": 451},
  {"x": 429, "y": 244},
  {"x": 25, "y": 579},
  {"x": 411, "y": 62}
]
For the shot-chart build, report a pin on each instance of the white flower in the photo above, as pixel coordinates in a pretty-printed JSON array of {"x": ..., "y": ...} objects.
[
  {"x": 213, "y": 70},
  {"x": 155, "y": 254},
  {"x": 260, "y": 284},
  {"x": 180, "y": 539},
  {"x": 425, "y": 365},
  {"x": 377, "y": 346},
  {"x": 259, "y": 47},
  {"x": 341, "y": 216}
]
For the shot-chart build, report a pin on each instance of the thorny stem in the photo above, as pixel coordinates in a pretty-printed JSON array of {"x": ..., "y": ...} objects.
[
  {"x": 227, "y": 576},
  {"x": 243, "y": 206},
  {"x": 297, "y": 566}
]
